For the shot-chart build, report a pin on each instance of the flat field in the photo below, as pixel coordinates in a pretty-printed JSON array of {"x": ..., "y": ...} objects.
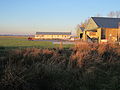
[{"x": 22, "y": 42}]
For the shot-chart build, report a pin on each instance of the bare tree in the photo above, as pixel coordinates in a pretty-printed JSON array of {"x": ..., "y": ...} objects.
[
  {"x": 118, "y": 14},
  {"x": 83, "y": 24},
  {"x": 111, "y": 14},
  {"x": 98, "y": 15},
  {"x": 115, "y": 14}
]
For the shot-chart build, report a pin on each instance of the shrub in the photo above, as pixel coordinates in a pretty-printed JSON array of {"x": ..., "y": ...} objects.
[{"x": 87, "y": 66}]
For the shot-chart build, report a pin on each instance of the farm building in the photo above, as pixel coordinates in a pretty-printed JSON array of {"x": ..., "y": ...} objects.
[
  {"x": 79, "y": 31},
  {"x": 104, "y": 29},
  {"x": 53, "y": 35}
]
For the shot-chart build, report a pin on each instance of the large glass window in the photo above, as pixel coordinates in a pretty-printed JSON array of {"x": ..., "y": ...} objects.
[{"x": 103, "y": 34}]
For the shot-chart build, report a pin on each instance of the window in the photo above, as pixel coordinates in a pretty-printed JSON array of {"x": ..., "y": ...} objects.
[
  {"x": 103, "y": 34},
  {"x": 42, "y": 35}
]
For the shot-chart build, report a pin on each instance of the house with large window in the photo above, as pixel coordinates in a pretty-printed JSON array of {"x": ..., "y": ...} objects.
[
  {"x": 53, "y": 35},
  {"x": 103, "y": 29}
]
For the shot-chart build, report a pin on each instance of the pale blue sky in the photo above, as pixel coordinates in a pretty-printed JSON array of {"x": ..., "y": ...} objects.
[{"x": 29, "y": 16}]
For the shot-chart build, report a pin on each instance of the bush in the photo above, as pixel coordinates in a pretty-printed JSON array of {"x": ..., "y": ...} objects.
[{"x": 87, "y": 66}]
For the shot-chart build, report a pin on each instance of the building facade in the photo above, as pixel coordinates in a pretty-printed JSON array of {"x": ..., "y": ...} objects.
[
  {"x": 103, "y": 29},
  {"x": 53, "y": 35}
]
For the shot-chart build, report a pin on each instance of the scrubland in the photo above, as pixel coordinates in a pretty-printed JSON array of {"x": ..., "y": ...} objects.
[{"x": 85, "y": 66}]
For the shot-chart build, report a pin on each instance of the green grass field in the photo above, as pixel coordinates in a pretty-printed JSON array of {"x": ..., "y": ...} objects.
[{"x": 22, "y": 42}]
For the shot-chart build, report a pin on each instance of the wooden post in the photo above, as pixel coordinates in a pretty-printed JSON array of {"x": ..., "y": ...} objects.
[
  {"x": 118, "y": 32},
  {"x": 118, "y": 35},
  {"x": 99, "y": 34},
  {"x": 61, "y": 45},
  {"x": 84, "y": 36}
]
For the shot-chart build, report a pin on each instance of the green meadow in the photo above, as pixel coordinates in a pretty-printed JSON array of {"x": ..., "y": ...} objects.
[{"x": 22, "y": 42}]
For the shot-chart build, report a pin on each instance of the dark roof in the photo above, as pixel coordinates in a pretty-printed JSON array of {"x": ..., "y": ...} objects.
[
  {"x": 54, "y": 33},
  {"x": 106, "y": 22},
  {"x": 82, "y": 28}
]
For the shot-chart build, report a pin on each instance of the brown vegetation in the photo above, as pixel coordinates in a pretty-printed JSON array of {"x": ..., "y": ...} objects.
[{"x": 86, "y": 66}]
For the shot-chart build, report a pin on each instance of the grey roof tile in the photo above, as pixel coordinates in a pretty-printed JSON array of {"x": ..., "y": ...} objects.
[
  {"x": 54, "y": 33},
  {"x": 106, "y": 22},
  {"x": 82, "y": 28}
]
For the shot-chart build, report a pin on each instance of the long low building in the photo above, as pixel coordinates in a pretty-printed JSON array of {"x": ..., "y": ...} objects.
[{"x": 53, "y": 35}]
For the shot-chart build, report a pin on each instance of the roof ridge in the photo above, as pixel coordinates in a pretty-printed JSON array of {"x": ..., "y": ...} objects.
[{"x": 107, "y": 17}]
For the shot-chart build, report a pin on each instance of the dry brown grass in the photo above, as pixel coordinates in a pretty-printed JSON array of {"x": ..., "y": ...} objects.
[
  {"x": 88, "y": 65},
  {"x": 102, "y": 48},
  {"x": 109, "y": 47},
  {"x": 84, "y": 51},
  {"x": 46, "y": 51},
  {"x": 32, "y": 52},
  {"x": 81, "y": 51},
  {"x": 81, "y": 46}
]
